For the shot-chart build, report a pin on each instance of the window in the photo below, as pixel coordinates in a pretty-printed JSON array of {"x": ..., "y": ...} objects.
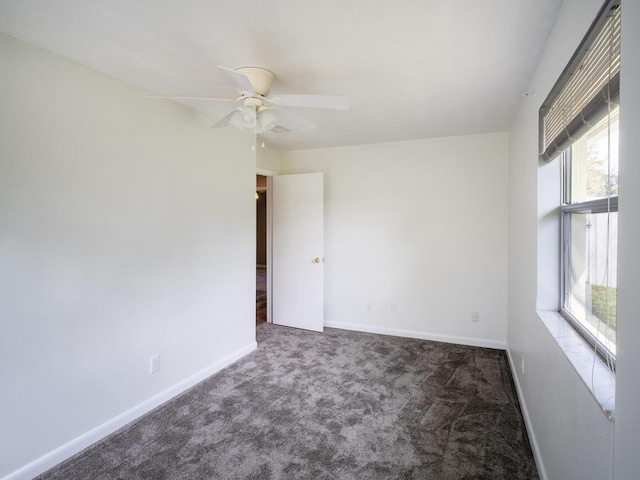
[
  {"x": 589, "y": 235},
  {"x": 579, "y": 125}
]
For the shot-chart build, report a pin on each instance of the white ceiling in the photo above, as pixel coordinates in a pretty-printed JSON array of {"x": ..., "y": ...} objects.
[{"x": 411, "y": 69}]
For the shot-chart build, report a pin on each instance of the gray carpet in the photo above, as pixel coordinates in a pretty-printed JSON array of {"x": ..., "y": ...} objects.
[
  {"x": 261, "y": 294},
  {"x": 338, "y": 405}
]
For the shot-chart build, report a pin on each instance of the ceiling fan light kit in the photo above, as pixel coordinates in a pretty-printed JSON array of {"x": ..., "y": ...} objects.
[
  {"x": 267, "y": 119},
  {"x": 248, "y": 116},
  {"x": 259, "y": 120},
  {"x": 259, "y": 112}
]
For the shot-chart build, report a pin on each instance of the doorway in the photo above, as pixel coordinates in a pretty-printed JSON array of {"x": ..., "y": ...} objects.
[
  {"x": 261, "y": 249},
  {"x": 289, "y": 236}
]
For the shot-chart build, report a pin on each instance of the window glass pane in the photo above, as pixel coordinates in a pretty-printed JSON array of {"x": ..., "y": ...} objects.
[
  {"x": 592, "y": 276},
  {"x": 592, "y": 174}
]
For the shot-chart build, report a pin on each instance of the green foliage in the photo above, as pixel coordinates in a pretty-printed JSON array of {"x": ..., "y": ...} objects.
[{"x": 603, "y": 302}]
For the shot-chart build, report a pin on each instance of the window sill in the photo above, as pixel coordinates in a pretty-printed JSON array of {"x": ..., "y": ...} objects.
[{"x": 594, "y": 373}]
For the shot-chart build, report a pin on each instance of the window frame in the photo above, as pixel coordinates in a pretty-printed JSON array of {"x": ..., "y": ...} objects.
[{"x": 599, "y": 205}]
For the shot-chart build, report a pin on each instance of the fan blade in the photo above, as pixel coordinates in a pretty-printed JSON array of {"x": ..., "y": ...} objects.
[
  {"x": 332, "y": 102},
  {"x": 188, "y": 96},
  {"x": 224, "y": 121},
  {"x": 240, "y": 80},
  {"x": 293, "y": 122}
]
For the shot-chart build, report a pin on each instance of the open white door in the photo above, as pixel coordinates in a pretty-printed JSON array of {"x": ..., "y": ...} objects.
[{"x": 297, "y": 251}]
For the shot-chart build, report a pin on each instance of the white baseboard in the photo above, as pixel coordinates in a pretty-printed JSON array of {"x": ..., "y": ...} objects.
[
  {"x": 51, "y": 459},
  {"x": 474, "y": 342},
  {"x": 527, "y": 421}
]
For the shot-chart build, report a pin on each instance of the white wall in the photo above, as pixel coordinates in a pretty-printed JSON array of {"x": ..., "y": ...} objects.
[
  {"x": 421, "y": 224},
  {"x": 268, "y": 159},
  {"x": 127, "y": 229},
  {"x": 572, "y": 437},
  {"x": 627, "y": 437}
]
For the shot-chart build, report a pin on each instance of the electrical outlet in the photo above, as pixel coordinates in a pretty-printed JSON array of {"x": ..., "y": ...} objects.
[
  {"x": 154, "y": 364},
  {"x": 522, "y": 364},
  {"x": 369, "y": 306},
  {"x": 475, "y": 316}
]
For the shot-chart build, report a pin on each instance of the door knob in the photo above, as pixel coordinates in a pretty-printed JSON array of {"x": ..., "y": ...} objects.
[{"x": 317, "y": 260}]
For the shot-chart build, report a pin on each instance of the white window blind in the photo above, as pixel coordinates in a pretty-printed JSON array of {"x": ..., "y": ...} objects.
[{"x": 587, "y": 88}]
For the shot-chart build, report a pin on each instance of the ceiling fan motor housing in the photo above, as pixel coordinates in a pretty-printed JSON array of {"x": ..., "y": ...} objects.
[{"x": 260, "y": 79}]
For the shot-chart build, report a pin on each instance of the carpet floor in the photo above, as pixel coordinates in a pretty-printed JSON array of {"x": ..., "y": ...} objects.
[
  {"x": 337, "y": 405},
  {"x": 261, "y": 295}
]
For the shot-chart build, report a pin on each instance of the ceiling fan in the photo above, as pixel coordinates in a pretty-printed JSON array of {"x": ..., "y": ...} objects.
[{"x": 255, "y": 110}]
